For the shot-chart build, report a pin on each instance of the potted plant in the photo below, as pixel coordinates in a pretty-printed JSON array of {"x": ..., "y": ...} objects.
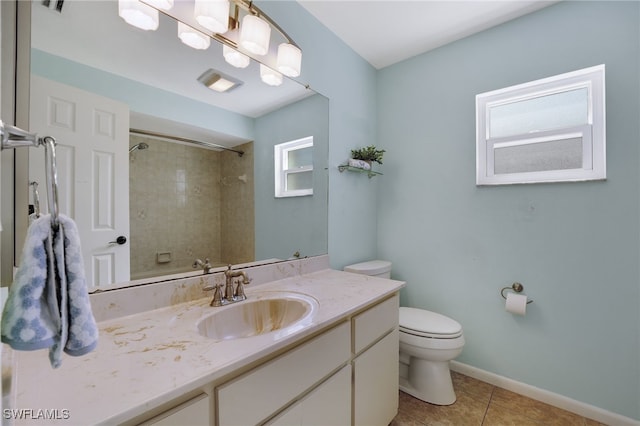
[{"x": 363, "y": 157}]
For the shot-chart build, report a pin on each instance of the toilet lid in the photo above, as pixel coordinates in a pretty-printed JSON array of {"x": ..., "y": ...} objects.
[{"x": 428, "y": 324}]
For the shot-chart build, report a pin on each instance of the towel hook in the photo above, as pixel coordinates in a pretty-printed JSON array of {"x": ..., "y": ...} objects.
[{"x": 515, "y": 287}]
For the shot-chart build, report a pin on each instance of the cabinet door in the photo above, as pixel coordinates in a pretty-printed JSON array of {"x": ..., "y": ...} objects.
[
  {"x": 194, "y": 412},
  {"x": 374, "y": 323},
  {"x": 264, "y": 391},
  {"x": 375, "y": 390},
  {"x": 329, "y": 404}
]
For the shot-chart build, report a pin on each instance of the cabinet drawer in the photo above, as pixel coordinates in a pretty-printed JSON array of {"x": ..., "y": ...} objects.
[
  {"x": 328, "y": 404},
  {"x": 258, "y": 394},
  {"x": 193, "y": 412},
  {"x": 375, "y": 322}
]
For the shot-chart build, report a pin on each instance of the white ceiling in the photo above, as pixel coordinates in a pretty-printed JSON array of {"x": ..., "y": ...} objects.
[{"x": 384, "y": 32}]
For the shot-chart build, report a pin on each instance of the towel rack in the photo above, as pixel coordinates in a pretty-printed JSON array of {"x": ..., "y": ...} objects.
[
  {"x": 36, "y": 199},
  {"x": 13, "y": 137}
]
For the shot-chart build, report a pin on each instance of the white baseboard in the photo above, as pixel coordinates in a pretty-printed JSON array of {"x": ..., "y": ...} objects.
[{"x": 557, "y": 400}]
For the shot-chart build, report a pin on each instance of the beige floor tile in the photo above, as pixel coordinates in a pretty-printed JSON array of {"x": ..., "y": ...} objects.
[
  {"x": 404, "y": 419},
  {"x": 499, "y": 416},
  {"x": 483, "y": 404},
  {"x": 477, "y": 389},
  {"x": 532, "y": 409},
  {"x": 465, "y": 411}
]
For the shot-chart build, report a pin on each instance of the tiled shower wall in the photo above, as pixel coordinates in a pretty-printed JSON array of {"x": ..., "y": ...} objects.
[
  {"x": 237, "y": 209},
  {"x": 182, "y": 201}
]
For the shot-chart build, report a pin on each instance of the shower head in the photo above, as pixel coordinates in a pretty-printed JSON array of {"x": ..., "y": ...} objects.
[{"x": 140, "y": 145}]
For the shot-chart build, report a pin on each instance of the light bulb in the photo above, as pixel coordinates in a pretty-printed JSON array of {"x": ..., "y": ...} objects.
[
  {"x": 138, "y": 14},
  {"x": 235, "y": 58},
  {"x": 255, "y": 34},
  {"x": 289, "y": 59},
  {"x": 193, "y": 38},
  {"x": 269, "y": 76},
  {"x": 212, "y": 14}
]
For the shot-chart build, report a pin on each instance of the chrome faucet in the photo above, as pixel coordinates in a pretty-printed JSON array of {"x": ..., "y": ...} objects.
[
  {"x": 231, "y": 294},
  {"x": 206, "y": 265}
]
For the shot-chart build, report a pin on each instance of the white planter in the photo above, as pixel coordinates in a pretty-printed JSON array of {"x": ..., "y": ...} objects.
[{"x": 360, "y": 164}]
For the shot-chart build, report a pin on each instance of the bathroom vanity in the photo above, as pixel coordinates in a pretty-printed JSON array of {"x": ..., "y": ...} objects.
[{"x": 337, "y": 365}]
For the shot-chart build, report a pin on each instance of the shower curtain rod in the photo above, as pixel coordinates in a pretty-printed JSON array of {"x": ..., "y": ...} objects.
[{"x": 178, "y": 138}]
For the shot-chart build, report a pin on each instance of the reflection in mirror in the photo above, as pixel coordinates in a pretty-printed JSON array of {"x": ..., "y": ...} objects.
[{"x": 173, "y": 201}]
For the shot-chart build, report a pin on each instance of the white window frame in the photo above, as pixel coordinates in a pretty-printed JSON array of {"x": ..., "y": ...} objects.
[
  {"x": 282, "y": 170},
  {"x": 593, "y": 134}
]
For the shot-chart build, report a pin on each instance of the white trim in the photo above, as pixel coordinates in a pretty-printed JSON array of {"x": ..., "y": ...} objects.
[
  {"x": 282, "y": 171},
  {"x": 593, "y": 132},
  {"x": 542, "y": 395}
]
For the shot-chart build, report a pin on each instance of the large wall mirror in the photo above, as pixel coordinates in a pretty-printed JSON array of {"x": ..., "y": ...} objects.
[{"x": 130, "y": 115}]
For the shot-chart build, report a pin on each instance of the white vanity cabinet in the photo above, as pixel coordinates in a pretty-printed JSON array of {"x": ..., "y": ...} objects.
[
  {"x": 375, "y": 364},
  {"x": 354, "y": 365},
  {"x": 345, "y": 375},
  {"x": 264, "y": 391}
]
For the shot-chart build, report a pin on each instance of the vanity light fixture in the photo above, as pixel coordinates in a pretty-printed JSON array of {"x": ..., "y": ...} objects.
[
  {"x": 242, "y": 38},
  {"x": 215, "y": 80},
  {"x": 270, "y": 76},
  {"x": 212, "y": 14},
  {"x": 235, "y": 58},
  {"x": 138, "y": 14},
  {"x": 193, "y": 38}
]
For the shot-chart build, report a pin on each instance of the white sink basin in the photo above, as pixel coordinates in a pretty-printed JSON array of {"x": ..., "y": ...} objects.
[{"x": 269, "y": 312}]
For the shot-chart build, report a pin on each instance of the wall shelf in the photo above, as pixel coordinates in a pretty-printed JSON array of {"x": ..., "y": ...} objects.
[{"x": 348, "y": 168}]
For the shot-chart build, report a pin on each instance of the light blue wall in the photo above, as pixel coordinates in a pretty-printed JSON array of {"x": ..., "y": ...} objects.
[
  {"x": 293, "y": 224},
  {"x": 334, "y": 70},
  {"x": 574, "y": 246}
]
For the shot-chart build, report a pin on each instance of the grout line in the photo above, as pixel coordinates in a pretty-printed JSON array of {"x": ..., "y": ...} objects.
[{"x": 486, "y": 411}]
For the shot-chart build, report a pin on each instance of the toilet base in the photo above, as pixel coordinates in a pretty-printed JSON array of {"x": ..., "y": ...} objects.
[{"x": 429, "y": 381}]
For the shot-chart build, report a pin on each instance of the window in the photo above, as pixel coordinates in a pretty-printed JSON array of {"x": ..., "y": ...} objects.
[
  {"x": 294, "y": 168},
  {"x": 549, "y": 130}
]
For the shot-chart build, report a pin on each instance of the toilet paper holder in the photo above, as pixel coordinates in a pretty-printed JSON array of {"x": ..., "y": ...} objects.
[{"x": 516, "y": 287}]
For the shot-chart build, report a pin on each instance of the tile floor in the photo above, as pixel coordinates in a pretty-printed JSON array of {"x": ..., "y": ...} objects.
[{"x": 479, "y": 403}]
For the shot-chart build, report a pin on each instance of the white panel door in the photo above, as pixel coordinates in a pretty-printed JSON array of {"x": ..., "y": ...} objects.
[{"x": 92, "y": 135}]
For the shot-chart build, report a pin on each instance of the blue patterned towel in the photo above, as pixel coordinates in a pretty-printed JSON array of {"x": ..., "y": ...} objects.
[{"x": 48, "y": 304}]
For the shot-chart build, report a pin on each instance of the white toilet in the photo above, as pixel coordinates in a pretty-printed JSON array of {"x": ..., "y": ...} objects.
[{"x": 428, "y": 341}]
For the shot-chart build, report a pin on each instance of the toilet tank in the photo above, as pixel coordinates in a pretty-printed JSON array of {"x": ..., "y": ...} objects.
[{"x": 375, "y": 268}]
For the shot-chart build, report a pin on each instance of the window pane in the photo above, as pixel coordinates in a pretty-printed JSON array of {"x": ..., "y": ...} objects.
[
  {"x": 300, "y": 157},
  {"x": 556, "y": 111},
  {"x": 303, "y": 180},
  {"x": 535, "y": 157}
]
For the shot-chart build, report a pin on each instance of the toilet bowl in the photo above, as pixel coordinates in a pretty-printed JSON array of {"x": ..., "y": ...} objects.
[{"x": 428, "y": 341}]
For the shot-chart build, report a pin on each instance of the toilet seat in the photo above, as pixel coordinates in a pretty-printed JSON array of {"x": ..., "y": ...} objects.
[{"x": 422, "y": 323}]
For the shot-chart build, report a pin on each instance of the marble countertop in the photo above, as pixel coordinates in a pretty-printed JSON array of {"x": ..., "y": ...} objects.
[{"x": 150, "y": 358}]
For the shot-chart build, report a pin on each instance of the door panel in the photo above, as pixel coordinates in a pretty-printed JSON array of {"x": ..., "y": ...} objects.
[{"x": 92, "y": 135}]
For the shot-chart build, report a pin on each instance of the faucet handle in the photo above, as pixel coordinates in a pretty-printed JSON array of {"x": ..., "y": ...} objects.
[
  {"x": 217, "y": 296},
  {"x": 239, "y": 292}
]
